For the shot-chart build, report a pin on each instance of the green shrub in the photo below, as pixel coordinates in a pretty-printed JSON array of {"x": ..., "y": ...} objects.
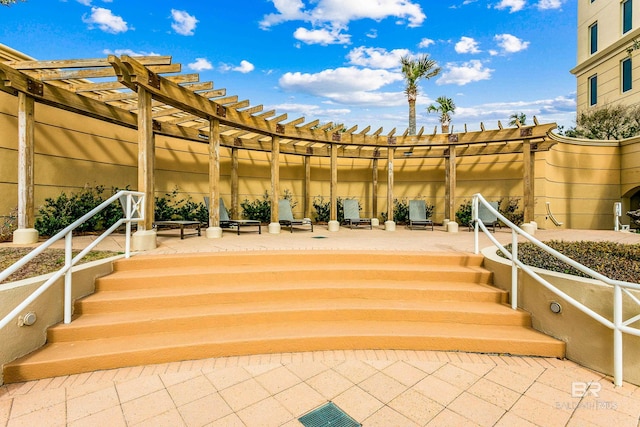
[
  {"x": 58, "y": 213},
  {"x": 401, "y": 211},
  {"x": 323, "y": 209},
  {"x": 463, "y": 214},
  {"x": 8, "y": 225},
  {"x": 171, "y": 208},
  {"x": 508, "y": 206},
  {"x": 260, "y": 209},
  {"x": 615, "y": 260}
]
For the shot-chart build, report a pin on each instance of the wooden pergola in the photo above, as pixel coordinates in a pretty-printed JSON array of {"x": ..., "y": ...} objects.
[{"x": 149, "y": 94}]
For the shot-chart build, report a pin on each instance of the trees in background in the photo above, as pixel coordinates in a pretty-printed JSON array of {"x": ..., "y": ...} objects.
[
  {"x": 611, "y": 121},
  {"x": 413, "y": 70},
  {"x": 445, "y": 107}
]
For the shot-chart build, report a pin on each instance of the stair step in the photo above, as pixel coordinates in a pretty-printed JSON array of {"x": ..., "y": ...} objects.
[
  {"x": 168, "y": 277},
  {"x": 66, "y": 358},
  {"x": 198, "y": 295},
  {"x": 102, "y": 325},
  {"x": 295, "y": 257}
]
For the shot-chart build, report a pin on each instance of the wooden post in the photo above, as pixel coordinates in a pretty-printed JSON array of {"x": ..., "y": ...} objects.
[
  {"x": 390, "y": 152},
  {"x": 528, "y": 159},
  {"x": 374, "y": 190},
  {"x": 146, "y": 156},
  {"x": 450, "y": 184},
  {"x": 333, "y": 211},
  {"x": 26, "y": 217},
  {"x": 307, "y": 186},
  {"x": 235, "y": 204},
  {"x": 275, "y": 177},
  {"x": 214, "y": 172}
]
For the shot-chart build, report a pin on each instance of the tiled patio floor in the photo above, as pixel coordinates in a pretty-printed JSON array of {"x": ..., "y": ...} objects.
[{"x": 375, "y": 387}]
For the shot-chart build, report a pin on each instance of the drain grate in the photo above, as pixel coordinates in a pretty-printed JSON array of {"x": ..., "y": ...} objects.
[
  {"x": 328, "y": 415},
  {"x": 319, "y": 237}
]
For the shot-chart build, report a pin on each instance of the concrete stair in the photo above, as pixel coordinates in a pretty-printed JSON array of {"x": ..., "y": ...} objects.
[{"x": 156, "y": 309}]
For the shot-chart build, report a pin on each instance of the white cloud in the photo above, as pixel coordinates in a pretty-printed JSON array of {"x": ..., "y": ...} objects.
[
  {"x": 510, "y": 44},
  {"x": 244, "y": 67},
  {"x": 376, "y": 57},
  {"x": 424, "y": 43},
  {"x": 183, "y": 23},
  {"x": 372, "y": 34},
  {"x": 468, "y": 72},
  {"x": 512, "y": 5},
  {"x": 105, "y": 20},
  {"x": 200, "y": 64},
  {"x": 322, "y": 37},
  {"x": 549, "y": 4},
  {"x": 128, "y": 52},
  {"x": 312, "y": 111},
  {"x": 467, "y": 45},
  {"x": 346, "y": 85},
  {"x": 341, "y": 12},
  {"x": 85, "y": 2}
]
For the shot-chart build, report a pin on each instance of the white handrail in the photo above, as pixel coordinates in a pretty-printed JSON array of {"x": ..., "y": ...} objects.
[
  {"x": 132, "y": 205},
  {"x": 616, "y": 324}
]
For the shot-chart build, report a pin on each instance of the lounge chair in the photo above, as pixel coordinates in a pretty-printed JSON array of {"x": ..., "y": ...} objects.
[
  {"x": 418, "y": 215},
  {"x": 285, "y": 217},
  {"x": 352, "y": 214},
  {"x": 488, "y": 218},
  {"x": 226, "y": 222}
]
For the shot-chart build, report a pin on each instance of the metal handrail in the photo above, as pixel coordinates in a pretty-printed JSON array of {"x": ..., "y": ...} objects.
[
  {"x": 132, "y": 203},
  {"x": 616, "y": 324}
]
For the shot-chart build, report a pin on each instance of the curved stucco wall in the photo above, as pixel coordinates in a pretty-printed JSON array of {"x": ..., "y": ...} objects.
[
  {"x": 581, "y": 181},
  {"x": 588, "y": 342}
]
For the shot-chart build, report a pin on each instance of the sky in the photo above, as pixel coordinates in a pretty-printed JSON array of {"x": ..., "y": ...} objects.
[{"x": 333, "y": 60}]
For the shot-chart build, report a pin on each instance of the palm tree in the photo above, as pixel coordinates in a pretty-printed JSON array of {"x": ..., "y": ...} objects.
[
  {"x": 516, "y": 118},
  {"x": 413, "y": 70},
  {"x": 446, "y": 108}
]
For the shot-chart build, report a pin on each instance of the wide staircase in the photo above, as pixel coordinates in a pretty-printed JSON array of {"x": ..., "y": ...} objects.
[{"x": 157, "y": 309}]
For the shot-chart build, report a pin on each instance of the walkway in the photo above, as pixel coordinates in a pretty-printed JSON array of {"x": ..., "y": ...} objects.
[{"x": 375, "y": 387}]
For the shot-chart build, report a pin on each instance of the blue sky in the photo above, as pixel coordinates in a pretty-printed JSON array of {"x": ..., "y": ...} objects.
[{"x": 333, "y": 60}]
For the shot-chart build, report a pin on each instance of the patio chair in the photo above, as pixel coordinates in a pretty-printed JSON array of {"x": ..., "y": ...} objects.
[
  {"x": 286, "y": 219},
  {"x": 237, "y": 224},
  {"x": 352, "y": 214},
  {"x": 488, "y": 218},
  {"x": 418, "y": 215}
]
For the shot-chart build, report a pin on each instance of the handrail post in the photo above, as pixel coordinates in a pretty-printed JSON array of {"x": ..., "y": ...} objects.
[
  {"x": 68, "y": 256},
  {"x": 127, "y": 237},
  {"x": 514, "y": 270},
  {"x": 617, "y": 335},
  {"x": 474, "y": 219}
]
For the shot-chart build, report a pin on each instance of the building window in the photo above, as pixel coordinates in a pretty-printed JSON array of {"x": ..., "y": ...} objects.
[
  {"x": 593, "y": 38},
  {"x": 626, "y": 74},
  {"x": 627, "y": 15},
  {"x": 593, "y": 90}
]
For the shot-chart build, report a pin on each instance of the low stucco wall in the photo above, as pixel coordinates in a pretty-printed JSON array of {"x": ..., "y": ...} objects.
[
  {"x": 588, "y": 342},
  {"x": 18, "y": 340}
]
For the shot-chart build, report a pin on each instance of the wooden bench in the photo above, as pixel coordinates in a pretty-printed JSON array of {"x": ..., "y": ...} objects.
[{"x": 178, "y": 224}]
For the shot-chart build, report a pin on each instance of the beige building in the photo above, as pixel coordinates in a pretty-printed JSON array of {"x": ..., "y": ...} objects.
[{"x": 605, "y": 71}]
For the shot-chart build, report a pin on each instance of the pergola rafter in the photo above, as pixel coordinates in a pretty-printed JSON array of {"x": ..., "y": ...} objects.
[{"x": 180, "y": 106}]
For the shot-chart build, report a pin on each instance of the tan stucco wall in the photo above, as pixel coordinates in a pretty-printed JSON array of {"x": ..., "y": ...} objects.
[
  {"x": 16, "y": 341},
  {"x": 581, "y": 180},
  {"x": 589, "y": 343}
]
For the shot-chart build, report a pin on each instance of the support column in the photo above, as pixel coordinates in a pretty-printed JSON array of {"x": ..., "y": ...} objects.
[
  {"x": 390, "y": 224},
  {"x": 235, "y": 203},
  {"x": 274, "y": 226},
  {"x": 307, "y": 186},
  {"x": 334, "y": 224},
  {"x": 145, "y": 238},
  {"x": 450, "y": 185},
  {"x": 214, "y": 230},
  {"x": 374, "y": 192},
  {"x": 26, "y": 233},
  {"x": 528, "y": 180}
]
